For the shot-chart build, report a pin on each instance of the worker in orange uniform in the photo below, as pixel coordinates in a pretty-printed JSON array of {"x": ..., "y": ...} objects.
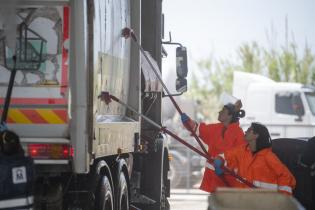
[
  {"x": 219, "y": 137},
  {"x": 256, "y": 162}
]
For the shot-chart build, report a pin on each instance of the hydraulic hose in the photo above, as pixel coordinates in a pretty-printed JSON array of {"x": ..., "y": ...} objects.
[{"x": 9, "y": 93}]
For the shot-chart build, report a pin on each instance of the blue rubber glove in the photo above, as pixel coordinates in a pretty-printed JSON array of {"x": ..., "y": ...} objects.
[
  {"x": 3, "y": 127},
  {"x": 188, "y": 123},
  {"x": 184, "y": 117},
  {"x": 218, "y": 162}
]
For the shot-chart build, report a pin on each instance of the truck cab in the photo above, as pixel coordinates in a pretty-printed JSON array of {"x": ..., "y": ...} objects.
[{"x": 287, "y": 109}]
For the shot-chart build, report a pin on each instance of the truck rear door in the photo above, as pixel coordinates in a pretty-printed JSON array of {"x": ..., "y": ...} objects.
[{"x": 39, "y": 104}]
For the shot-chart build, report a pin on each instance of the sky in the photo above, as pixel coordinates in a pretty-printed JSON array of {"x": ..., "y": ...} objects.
[{"x": 218, "y": 27}]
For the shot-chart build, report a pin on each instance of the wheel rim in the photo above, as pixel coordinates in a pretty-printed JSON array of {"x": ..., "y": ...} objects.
[
  {"x": 124, "y": 203},
  {"x": 123, "y": 193},
  {"x": 106, "y": 201}
]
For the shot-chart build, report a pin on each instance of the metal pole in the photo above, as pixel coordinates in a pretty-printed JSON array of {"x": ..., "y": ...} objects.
[
  {"x": 127, "y": 32},
  {"x": 9, "y": 92}
]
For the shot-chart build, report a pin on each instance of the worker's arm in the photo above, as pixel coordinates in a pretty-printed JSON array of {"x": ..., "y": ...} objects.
[
  {"x": 230, "y": 158},
  {"x": 188, "y": 123},
  {"x": 207, "y": 132},
  {"x": 286, "y": 181},
  {"x": 203, "y": 130}
]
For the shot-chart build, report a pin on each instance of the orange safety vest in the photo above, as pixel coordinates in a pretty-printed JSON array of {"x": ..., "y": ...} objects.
[
  {"x": 263, "y": 169},
  {"x": 211, "y": 134}
]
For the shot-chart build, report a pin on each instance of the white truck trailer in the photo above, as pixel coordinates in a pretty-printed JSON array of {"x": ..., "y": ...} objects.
[
  {"x": 287, "y": 109},
  {"x": 88, "y": 155}
]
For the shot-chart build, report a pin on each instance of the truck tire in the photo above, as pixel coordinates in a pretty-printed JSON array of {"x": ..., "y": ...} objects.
[
  {"x": 157, "y": 177},
  {"x": 165, "y": 205},
  {"x": 105, "y": 199},
  {"x": 122, "y": 193}
]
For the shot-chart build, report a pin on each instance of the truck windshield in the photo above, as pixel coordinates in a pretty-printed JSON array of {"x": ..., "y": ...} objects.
[{"x": 310, "y": 96}]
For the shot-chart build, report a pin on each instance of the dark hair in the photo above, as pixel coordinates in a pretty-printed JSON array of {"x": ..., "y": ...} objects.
[
  {"x": 264, "y": 140},
  {"x": 236, "y": 115},
  {"x": 10, "y": 143}
]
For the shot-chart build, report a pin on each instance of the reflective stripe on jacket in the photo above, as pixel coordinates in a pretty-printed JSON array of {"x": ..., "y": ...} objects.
[
  {"x": 211, "y": 134},
  {"x": 263, "y": 169}
]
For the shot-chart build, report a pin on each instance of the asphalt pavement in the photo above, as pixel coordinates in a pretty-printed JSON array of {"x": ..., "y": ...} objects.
[{"x": 193, "y": 199}]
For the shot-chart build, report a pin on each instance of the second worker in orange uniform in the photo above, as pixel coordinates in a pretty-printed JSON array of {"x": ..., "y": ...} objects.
[{"x": 256, "y": 162}]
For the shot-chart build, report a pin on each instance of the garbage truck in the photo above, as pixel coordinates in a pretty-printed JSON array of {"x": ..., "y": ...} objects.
[{"x": 87, "y": 154}]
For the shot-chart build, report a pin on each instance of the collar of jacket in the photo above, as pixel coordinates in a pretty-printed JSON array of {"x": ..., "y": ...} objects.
[
  {"x": 231, "y": 125},
  {"x": 261, "y": 152}
]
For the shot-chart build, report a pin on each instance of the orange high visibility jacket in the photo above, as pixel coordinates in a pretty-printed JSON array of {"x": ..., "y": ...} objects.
[
  {"x": 211, "y": 134},
  {"x": 263, "y": 169}
]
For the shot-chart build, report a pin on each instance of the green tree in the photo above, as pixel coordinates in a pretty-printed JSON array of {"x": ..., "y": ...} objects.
[
  {"x": 288, "y": 64},
  {"x": 207, "y": 84},
  {"x": 271, "y": 62},
  {"x": 250, "y": 56},
  {"x": 307, "y": 67},
  {"x": 213, "y": 77}
]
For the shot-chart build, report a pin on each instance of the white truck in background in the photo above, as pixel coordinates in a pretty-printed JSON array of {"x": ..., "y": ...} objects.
[{"x": 287, "y": 109}]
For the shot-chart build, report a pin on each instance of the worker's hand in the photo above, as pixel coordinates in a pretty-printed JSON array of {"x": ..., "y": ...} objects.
[
  {"x": 238, "y": 105},
  {"x": 3, "y": 127},
  {"x": 184, "y": 117},
  {"x": 188, "y": 123},
  {"x": 218, "y": 163}
]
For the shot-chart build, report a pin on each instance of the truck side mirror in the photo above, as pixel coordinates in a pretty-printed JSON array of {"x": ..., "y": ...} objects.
[
  {"x": 181, "y": 69},
  {"x": 181, "y": 85},
  {"x": 181, "y": 62}
]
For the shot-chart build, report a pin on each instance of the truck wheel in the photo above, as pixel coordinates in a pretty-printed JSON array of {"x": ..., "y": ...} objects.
[
  {"x": 164, "y": 201},
  {"x": 122, "y": 193},
  {"x": 105, "y": 195}
]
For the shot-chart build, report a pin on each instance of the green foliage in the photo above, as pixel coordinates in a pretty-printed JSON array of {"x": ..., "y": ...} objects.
[
  {"x": 271, "y": 61},
  {"x": 202, "y": 92},
  {"x": 288, "y": 63},
  {"x": 250, "y": 56},
  {"x": 306, "y": 70},
  {"x": 214, "y": 77}
]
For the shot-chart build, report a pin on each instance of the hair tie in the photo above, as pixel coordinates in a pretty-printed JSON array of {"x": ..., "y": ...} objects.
[{"x": 241, "y": 113}]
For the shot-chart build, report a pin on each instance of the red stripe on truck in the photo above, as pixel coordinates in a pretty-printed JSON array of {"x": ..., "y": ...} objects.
[{"x": 36, "y": 101}]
